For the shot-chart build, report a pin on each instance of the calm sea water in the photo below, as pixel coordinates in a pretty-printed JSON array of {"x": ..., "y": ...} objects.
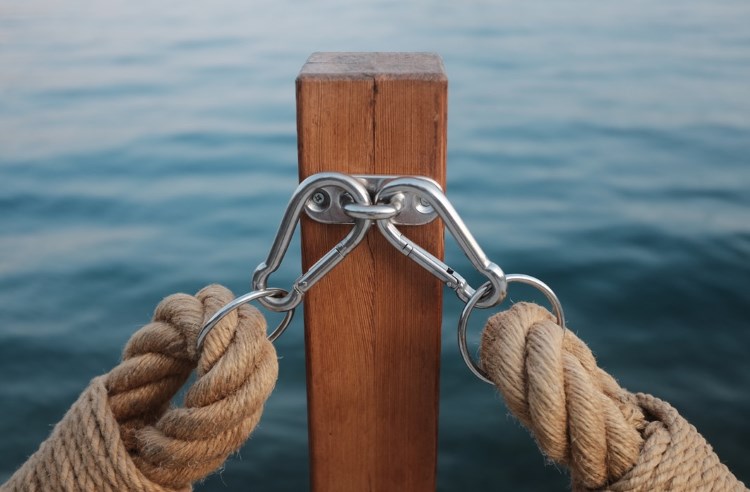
[{"x": 604, "y": 147}]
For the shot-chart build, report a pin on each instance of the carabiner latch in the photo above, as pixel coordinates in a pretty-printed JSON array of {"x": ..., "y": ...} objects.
[
  {"x": 433, "y": 196},
  {"x": 289, "y": 222}
]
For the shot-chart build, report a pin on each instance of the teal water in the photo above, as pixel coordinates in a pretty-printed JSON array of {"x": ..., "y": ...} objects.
[{"x": 604, "y": 147}]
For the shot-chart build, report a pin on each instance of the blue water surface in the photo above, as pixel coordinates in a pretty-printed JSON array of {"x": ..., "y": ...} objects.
[{"x": 149, "y": 147}]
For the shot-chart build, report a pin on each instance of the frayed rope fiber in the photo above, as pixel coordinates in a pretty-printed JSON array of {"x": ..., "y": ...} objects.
[
  {"x": 122, "y": 435},
  {"x": 609, "y": 438}
]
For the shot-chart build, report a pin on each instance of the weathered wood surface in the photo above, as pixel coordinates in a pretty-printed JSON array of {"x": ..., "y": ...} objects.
[{"x": 372, "y": 326}]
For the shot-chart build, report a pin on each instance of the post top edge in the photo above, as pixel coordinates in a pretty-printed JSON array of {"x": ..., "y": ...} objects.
[{"x": 355, "y": 65}]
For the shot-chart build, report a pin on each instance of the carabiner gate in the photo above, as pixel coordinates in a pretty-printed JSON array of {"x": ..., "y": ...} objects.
[{"x": 286, "y": 230}]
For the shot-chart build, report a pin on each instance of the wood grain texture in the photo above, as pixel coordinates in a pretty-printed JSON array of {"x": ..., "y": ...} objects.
[{"x": 372, "y": 326}]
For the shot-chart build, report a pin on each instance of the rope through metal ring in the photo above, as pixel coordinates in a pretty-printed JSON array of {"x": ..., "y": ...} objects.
[
  {"x": 463, "y": 320},
  {"x": 243, "y": 299}
]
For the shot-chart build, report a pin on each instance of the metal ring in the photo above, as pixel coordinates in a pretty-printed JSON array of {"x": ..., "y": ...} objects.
[
  {"x": 371, "y": 212},
  {"x": 463, "y": 321},
  {"x": 249, "y": 297}
]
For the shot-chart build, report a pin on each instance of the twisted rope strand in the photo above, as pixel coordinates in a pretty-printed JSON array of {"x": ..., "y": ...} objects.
[
  {"x": 610, "y": 439},
  {"x": 121, "y": 434}
]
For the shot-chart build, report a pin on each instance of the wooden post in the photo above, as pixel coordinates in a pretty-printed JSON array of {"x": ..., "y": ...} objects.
[{"x": 372, "y": 326}]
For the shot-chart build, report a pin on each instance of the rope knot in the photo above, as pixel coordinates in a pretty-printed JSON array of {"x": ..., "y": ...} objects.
[
  {"x": 579, "y": 415},
  {"x": 121, "y": 433},
  {"x": 236, "y": 371},
  {"x": 609, "y": 438}
]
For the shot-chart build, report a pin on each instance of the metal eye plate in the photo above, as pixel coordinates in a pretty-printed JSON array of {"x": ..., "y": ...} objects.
[{"x": 326, "y": 205}]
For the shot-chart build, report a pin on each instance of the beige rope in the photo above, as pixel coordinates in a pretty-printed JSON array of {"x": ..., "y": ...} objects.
[
  {"x": 610, "y": 439},
  {"x": 121, "y": 434}
]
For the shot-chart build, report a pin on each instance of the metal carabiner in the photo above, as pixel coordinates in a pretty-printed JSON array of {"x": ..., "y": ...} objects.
[
  {"x": 434, "y": 196},
  {"x": 301, "y": 195}
]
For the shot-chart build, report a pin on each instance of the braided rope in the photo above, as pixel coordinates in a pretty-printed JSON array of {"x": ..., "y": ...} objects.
[
  {"x": 121, "y": 434},
  {"x": 609, "y": 438}
]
